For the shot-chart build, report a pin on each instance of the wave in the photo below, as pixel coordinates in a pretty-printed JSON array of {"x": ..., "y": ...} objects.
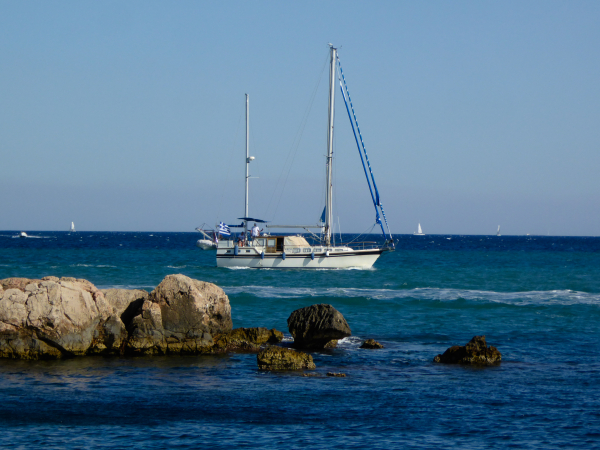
[
  {"x": 554, "y": 297},
  {"x": 27, "y": 237},
  {"x": 91, "y": 265}
]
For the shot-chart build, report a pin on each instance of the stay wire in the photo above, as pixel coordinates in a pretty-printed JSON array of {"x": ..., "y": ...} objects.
[
  {"x": 230, "y": 158},
  {"x": 294, "y": 147}
]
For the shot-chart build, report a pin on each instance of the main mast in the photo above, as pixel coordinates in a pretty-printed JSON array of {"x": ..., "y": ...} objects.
[
  {"x": 247, "y": 159},
  {"x": 329, "y": 181}
]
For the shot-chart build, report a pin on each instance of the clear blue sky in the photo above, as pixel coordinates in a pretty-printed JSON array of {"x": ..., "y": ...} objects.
[{"x": 125, "y": 116}]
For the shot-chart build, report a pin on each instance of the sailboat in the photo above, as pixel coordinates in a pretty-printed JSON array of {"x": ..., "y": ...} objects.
[
  {"x": 419, "y": 231},
  {"x": 72, "y": 230},
  {"x": 498, "y": 232},
  {"x": 284, "y": 251}
]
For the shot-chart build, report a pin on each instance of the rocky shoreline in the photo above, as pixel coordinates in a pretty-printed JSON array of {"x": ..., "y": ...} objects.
[{"x": 53, "y": 318}]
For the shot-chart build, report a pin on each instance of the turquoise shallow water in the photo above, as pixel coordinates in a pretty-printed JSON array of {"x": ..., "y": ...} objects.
[{"x": 535, "y": 298}]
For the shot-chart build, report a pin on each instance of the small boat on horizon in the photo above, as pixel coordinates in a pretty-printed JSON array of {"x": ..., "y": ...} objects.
[
  {"x": 23, "y": 234},
  {"x": 498, "y": 232},
  {"x": 419, "y": 231},
  {"x": 72, "y": 230}
]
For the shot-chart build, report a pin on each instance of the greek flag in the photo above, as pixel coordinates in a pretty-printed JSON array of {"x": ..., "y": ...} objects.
[{"x": 224, "y": 229}]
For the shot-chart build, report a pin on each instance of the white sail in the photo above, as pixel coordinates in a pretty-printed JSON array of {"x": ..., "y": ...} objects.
[
  {"x": 498, "y": 232},
  {"x": 72, "y": 227},
  {"x": 419, "y": 231}
]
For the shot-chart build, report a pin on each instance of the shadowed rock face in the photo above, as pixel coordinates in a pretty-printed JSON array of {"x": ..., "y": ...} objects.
[
  {"x": 54, "y": 318},
  {"x": 315, "y": 326},
  {"x": 279, "y": 358},
  {"x": 476, "y": 352},
  {"x": 126, "y": 303},
  {"x": 180, "y": 316}
]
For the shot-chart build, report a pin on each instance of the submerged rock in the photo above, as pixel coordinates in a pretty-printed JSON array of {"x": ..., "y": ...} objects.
[
  {"x": 315, "y": 326},
  {"x": 55, "y": 318},
  {"x": 476, "y": 352},
  {"x": 180, "y": 316},
  {"x": 279, "y": 358},
  {"x": 336, "y": 374},
  {"x": 371, "y": 343}
]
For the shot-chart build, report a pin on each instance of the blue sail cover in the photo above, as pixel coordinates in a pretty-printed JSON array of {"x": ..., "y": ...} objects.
[{"x": 362, "y": 151}]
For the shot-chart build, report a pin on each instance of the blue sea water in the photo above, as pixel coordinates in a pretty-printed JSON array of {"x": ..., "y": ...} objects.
[{"x": 536, "y": 298}]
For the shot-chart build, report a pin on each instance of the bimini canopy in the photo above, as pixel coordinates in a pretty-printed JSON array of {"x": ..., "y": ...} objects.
[
  {"x": 295, "y": 241},
  {"x": 250, "y": 219}
]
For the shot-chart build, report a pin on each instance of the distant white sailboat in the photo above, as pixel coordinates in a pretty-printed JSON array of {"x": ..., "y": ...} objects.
[
  {"x": 23, "y": 234},
  {"x": 72, "y": 230},
  {"x": 419, "y": 231},
  {"x": 498, "y": 232}
]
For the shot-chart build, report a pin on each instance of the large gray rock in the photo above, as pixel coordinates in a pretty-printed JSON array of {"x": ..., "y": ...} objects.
[
  {"x": 54, "y": 318},
  {"x": 180, "y": 316},
  {"x": 315, "y": 326}
]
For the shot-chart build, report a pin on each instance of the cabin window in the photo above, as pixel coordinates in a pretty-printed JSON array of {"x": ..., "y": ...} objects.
[
  {"x": 307, "y": 250},
  {"x": 271, "y": 242},
  {"x": 261, "y": 242},
  {"x": 296, "y": 250},
  {"x": 247, "y": 251},
  {"x": 318, "y": 249}
]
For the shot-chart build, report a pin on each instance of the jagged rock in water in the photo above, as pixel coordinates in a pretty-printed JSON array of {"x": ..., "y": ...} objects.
[
  {"x": 279, "y": 358},
  {"x": 54, "y": 318},
  {"x": 180, "y": 316},
  {"x": 336, "y": 374},
  {"x": 371, "y": 343},
  {"x": 315, "y": 326},
  {"x": 476, "y": 352},
  {"x": 246, "y": 339},
  {"x": 331, "y": 344}
]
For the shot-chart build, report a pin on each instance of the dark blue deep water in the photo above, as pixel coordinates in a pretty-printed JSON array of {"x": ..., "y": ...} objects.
[{"x": 536, "y": 298}]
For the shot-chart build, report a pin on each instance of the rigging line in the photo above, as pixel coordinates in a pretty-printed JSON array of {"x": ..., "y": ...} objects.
[
  {"x": 237, "y": 130},
  {"x": 375, "y": 203},
  {"x": 358, "y": 129},
  {"x": 365, "y": 152},
  {"x": 295, "y": 144},
  {"x": 363, "y": 233}
]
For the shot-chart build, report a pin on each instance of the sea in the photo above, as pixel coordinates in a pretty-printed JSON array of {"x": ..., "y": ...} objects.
[{"x": 535, "y": 298}]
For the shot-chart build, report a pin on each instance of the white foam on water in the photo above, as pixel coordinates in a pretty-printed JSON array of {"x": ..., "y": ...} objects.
[
  {"x": 91, "y": 265},
  {"x": 350, "y": 342},
  {"x": 554, "y": 297}
]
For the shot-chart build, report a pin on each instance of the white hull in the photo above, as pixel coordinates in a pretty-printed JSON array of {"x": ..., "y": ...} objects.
[
  {"x": 363, "y": 259},
  {"x": 205, "y": 244}
]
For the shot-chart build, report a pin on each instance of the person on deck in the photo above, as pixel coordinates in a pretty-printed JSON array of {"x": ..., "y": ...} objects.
[
  {"x": 241, "y": 239},
  {"x": 255, "y": 232}
]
